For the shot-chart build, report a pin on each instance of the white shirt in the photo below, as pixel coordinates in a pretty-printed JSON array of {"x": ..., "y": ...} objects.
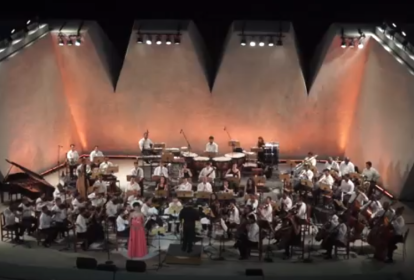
[
  {"x": 208, "y": 170},
  {"x": 80, "y": 167},
  {"x": 333, "y": 165},
  {"x": 45, "y": 221},
  {"x": 111, "y": 209},
  {"x": 26, "y": 210},
  {"x": 371, "y": 174},
  {"x": 347, "y": 187},
  {"x": 40, "y": 204},
  {"x": 398, "y": 224},
  {"x": 389, "y": 214},
  {"x": 185, "y": 187},
  {"x": 105, "y": 165},
  {"x": 133, "y": 187},
  {"x": 137, "y": 172},
  {"x": 76, "y": 204},
  {"x": 327, "y": 180},
  {"x": 234, "y": 216},
  {"x": 121, "y": 224},
  {"x": 311, "y": 160},
  {"x": 346, "y": 168},
  {"x": 56, "y": 193},
  {"x": 267, "y": 213},
  {"x": 286, "y": 204},
  {"x": 360, "y": 197},
  {"x": 253, "y": 232},
  {"x": 306, "y": 174},
  {"x": 342, "y": 233},
  {"x": 176, "y": 204},
  {"x": 212, "y": 148},
  {"x": 101, "y": 186},
  {"x": 161, "y": 171},
  {"x": 10, "y": 217},
  {"x": 204, "y": 187},
  {"x": 253, "y": 203},
  {"x": 96, "y": 201},
  {"x": 81, "y": 226},
  {"x": 145, "y": 144},
  {"x": 73, "y": 156},
  {"x": 60, "y": 214},
  {"x": 145, "y": 209},
  {"x": 334, "y": 222},
  {"x": 95, "y": 154},
  {"x": 301, "y": 214}
]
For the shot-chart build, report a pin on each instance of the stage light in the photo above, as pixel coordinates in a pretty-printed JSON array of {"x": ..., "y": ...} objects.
[
  {"x": 351, "y": 43},
  {"x": 343, "y": 43},
  {"x": 168, "y": 40},
  {"x": 78, "y": 41},
  {"x": 270, "y": 43},
  {"x": 243, "y": 41},
  {"x": 28, "y": 22},
  {"x": 12, "y": 31},
  {"x": 403, "y": 33},
  {"x": 383, "y": 27},
  {"x": 139, "y": 39},
  {"x": 69, "y": 41},
  {"x": 252, "y": 43},
  {"x": 149, "y": 40},
  {"x": 177, "y": 39},
  {"x": 158, "y": 40},
  {"x": 390, "y": 34},
  {"x": 394, "y": 25},
  {"x": 261, "y": 42},
  {"x": 360, "y": 44}
]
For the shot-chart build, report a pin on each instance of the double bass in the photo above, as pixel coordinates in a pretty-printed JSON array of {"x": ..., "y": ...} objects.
[{"x": 379, "y": 237}]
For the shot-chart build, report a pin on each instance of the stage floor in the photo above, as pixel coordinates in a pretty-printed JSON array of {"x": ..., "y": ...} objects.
[{"x": 357, "y": 264}]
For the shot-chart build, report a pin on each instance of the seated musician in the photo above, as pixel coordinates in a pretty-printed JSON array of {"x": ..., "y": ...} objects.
[
  {"x": 266, "y": 212},
  {"x": 58, "y": 192},
  {"x": 305, "y": 174},
  {"x": 138, "y": 173},
  {"x": 301, "y": 211},
  {"x": 252, "y": 201},
  {"x": 59, "y": 217},
  {"x": 10, "y": 215},
  {"x": 374, "y": 204},
  {"x": 285, "y": 203},
  {"x": 310, "y": 159},
  {"x": 359, "y": 196},
  {"x": 73, "y": 159},
  {"x": 173, "y": 210},
  {"x": 100, "y": 185},
  {"x": 260, "y": 154},
  {"x": 77, "y": 203},
  {"x": 185, "y": 172},
  {"x": 105, "y": 164},
  {"x": 346, "y": 189},
  {"x": 346, "y": 167},
  {"x": 398, "y": 225},
  {"x": 336, "y": 237},
  {"x": 161, "y": 171},
  {"x": 83, "y": 164},
  {"x": 211, "y": 146},
  {"x": 132, "y": 190},
  {"x": 162, "y": 184},
  {"x": 326, "y": 179},
  {"x": 82, "y": 230},
  {"x": 385, "y": 212},
  {"x": 250, "y": 187},
  {"x": 234, "y": 172},
  {"x": 28, "y": 221},
  {"x": 95, "y": 153},
  {"x": 112, "y": 209},
  {"x": 145, "y": 145},
  {"x": 42, "y": 201},
  {"x": 122, "y": 224},
  {"x": 97, "y": 199},
  {"x": 185, "y": 185},
  {"x": 209, "y": 172},
  {"x": 246, "y": 243},
  {"x": 204, "y": 186},
  {"x": 46, "y": 227},
  {"x": 226, "y": 188},
  {"x": 150, "y": 215},
  {"x": 234, "y": 215},
  {"x": 331, "y": 164}
]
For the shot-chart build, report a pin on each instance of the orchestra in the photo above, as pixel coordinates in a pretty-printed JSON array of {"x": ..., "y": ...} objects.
[{"x": 224, "y": 202}]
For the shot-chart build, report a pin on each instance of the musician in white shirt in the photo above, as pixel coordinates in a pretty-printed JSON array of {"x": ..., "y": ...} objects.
[
  {"x": 326, "y": 179},
  {"x": 234, "y": 215},
  {"x": 83, "y": 166},
  {"x": 161, "y": 171},
  {"x": 204, "y": 186},
  {"x": 252, "y": 201},
  {"x": 211, "y": 146},
  {"x": 26, "y": 209},
  {"x": 358, "y": 196},
  {"x": 78, "y": 202},
  {"x": 374, "y": 204},
  {"x": 145, "y": 145},
  {"x": 185, "y": 186},
  {"x": 208, "y": 171},
  {"x": 306, "y": 174},
  {"x": 337, "y": 237},
  {"x": 138, "y": 173},
  {"x": 149, "y": 212},
  {"x": 346, "y": 167},
  {"x": 95, "y": 153},
  {"x": 370, "y": 173},
  {"x": 97, "y": 199},
  {"x": 252, "y": 239},
  {"x": 132, "y": 190},
  {"x": 301, "y": 214},
  {"x": 398, "y": 225},
  {"x": 331, "y": 164},
  {"x": 266, "y": 212},
  {"x": 82, "y": 230},
  {"x": 285, "y": 203},
  {"x": 46, "y": 227},
  {"x": 122, "y": 225},
  {"x": 112, "y": 210},
  {"x": 41, "y": 202},
  {"x": 346, "y": 188},
  {"x": 105, "y": 164},
  {"x": 11, "y": 224},
  {"x": 311, "y": 159},
  {"x": 73, "y": 159},
  {"x": 386, "y": 212},
  {"x": 59, "y": 217}
]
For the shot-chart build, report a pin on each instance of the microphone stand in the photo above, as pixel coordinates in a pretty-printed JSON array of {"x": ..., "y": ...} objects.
[
  {"x": 185, "y": 137},
  {"x": 233, "y": 144}
]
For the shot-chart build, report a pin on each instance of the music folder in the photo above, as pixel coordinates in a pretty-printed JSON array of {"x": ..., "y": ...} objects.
[
  {"x": 98, "y": 159},
  {"x": 203, "y": 195},
  {"x": 184, "y": 194},
  {"x": 259, "y": 180},
  {"x": 112, "y": 169},
  {"x": 284, "y": 177},
  {"x": 167, "y": 157},
  {"x": 225, "y": 195},
  {"x": 161, "y": 193}
]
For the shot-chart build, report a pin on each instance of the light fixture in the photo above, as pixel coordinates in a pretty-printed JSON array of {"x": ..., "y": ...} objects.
[
  {"x": 28, "y": 22},
  {"x": 69, "y": 41},
  {"x": 351, "y": 43},
  {"x": 168, "y": 40},
  {"x": 12, "y": 31},
  {"x": 149, "y": 40},
  {"x": 243, "y": 41},
  {"x": 343, "y": 43},
  {"x": 403, "y": 33},
  {"x": 391, "y": 34},
  {"x": 270, "y": 43},
  {"x": 261, "y": 42},
  {"x": 177, "y": 39},
  {"x": 158, "y": 40},
  {"x": 252, "y": 43},
  {"x": 139, "y": 39},
  {"x": 61, "y": 40},
  {"x": 394, "y": 25},
  {"x": 78, "y": 41}
]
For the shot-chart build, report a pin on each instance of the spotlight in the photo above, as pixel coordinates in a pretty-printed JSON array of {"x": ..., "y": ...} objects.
[
  {"x": 394, "y": 25},
  {"x": 177, "y": 39},
  {"x": 149, "y": 40},
  {"x": 252, "y": 43},
  {"x": 28, "y": 22},
  {"x": 168, "y": 40},
  {"x": 158, "y": 40},
  {"x": 403, "y": 33},
  {"x": 360, "y": 44},
  {"x": 78, "y": 41},
  {"x": 70, "y": 42},
  {"x": 391, "y": 34},
  {"x": 61, "y": 40},
  {"x": 270, "y": 43},
  {"x": 261, "y": 43},
  {"x": 383, "y": 27},
  {"x": 343, "y": 43},
  {"x": 351, "y": 43},
  {"x": 139, "y": 39},
  {"x": 243, "y": 41},
  {"x": 12, "y": 31}
]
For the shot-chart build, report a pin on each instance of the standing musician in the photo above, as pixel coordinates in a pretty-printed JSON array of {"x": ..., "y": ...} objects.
[
  {"x": 189, "y": 216},
  {"x": 83, "y": 166},
  {"x": 132, "y": 190},
  {"x": 336, "y": 236},
  {"x": 372, "y": 175},
  {"x": 331, "y": 164},
  {"x": 46, "y": 227},
  {"x": 346, "y": 189},
  {"x": 93, "y": 154},
  {"x": 246, "y": 243},
  {"x": 161, "y": 170},
  {"x": 100, "y": 185},
  {"x": 252, "y": 201},
  {"x": 250, "y": 187},
  {"x": 209, "y": 172},
  {"x": 73, "y": 159},
  {"x": 105, "y": 164},
  {"x": 346, "y": 167},
  {"x": 185, "y": 185},
  {"x": 285, "y": 203},
  {"x": 234, "y": 172},
  {"x": 260, "y": 145},
  {"x": 10, "y": 215},
  {"x": 28, "y": 222},
  {"x": 310, "y": 159},
  {"x": 211, "y": 146},
  {"x": 397, "y": 224},
  {"x": 138, "y": 173},
  {"x": 185, "y": 172},
  {"x": 145, "y": 145}
]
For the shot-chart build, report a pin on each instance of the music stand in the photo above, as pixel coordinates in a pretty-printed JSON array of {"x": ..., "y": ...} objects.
[
  {"x": 167, "y": 158},
  {"x": 210, "y": 154},
  {"x": 259, "y": 180},
  {"x": 112, "y": 169},
  {"x": 98, "y": 160},
  {"x": 160, "y": 263},
  {"x": 256, "y": 149}
]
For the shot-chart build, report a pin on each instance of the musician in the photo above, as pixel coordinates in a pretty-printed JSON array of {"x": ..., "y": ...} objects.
[
  {"x": 250, "y": 187},
  {"x": 11, "y": 224},
  {"x": 310, "y": 159},
  {"x": 82, "y": 231},
  {"x": 285, "y": 203},
  {"x": 145, "y": 145},
  {"x": 385, "y": 212},
  {"x": 397, "y": 224},
  {"x": 95, "y": 153},
  {"x": 122, "y": 224},
  {"x": 337, "y": 236},
  {"x": 151, "y": 215},
  {"x": 28, "y": 221},
  {"x": 57, "y": 192},
  {"x": 211, "y": 146},
  {"x": 226, "y": 187},
  {"x": 301, "y": 211},
  {"x": 41, "y": 202},
  {"x": 251, "y": 240},
  {"x": 331, "y": 164},
  {"x": 234, "y": 172},
  {"x": 100, "y": 184},
  {"x": 46, "y": 227},
  {"x": 73, "y": 158},
  {"x": 372, "y": 175},
  {"x": 307, "y": 173},
  {"x": 105, "y": 164},
  {"x": 346, "y": 189},
  {"x": 185, "y": 185},
  {"x": 252, "y": 201},
  {"x": 346, "y": 167},
  {"x": 161, "y": 170},
  {"x": 162, "y": 184},
  {"x": 208, "y": 171},
  {"x": 204, "y": 186},
  {"x": 234, "y": 215},
  {"x": 81, "y": 167},
  {"x": 132, "y": 190},
  {"x": 374, "y": 204},
  {"x": 266, "y": 212},
  {"x": 326, "y": 178},
  {"x": 189, "y": 216},
  {"x": 185, "y": 172},
  {"x": 260, "y": 153},
  {"x": 59, "y": 217},
  {"x": 78, "y": 202},
  {"x": 112, "y": 209},
  {"x": 138, "y": 173},
  {"x": 359, "y": 196},
  {"x": 97, "y": 199}
]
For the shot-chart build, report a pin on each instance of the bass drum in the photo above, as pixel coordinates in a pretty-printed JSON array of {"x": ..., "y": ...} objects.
[{"x": 271, "y": 153}]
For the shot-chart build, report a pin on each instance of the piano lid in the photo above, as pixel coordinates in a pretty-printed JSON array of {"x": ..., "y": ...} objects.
[{"x": 31, "y": 174}]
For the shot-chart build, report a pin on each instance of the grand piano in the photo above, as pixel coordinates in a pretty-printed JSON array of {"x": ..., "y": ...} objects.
[{"x": 26, "y": 183}]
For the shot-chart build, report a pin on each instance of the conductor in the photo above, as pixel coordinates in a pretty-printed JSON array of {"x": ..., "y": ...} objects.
[{"x": 188, "y": 216}]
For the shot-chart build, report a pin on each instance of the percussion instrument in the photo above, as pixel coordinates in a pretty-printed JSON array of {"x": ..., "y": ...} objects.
[
  {"x": 174, "y": 151},
  {"x": 237, "y": 158},
  {"x": 271, "y": 153},
  {"x": 184, "y": 149},
  {"x": 200, "y": 162},
  {"x": 222, "y": 163},
  {"x": 250, "y": 156}
]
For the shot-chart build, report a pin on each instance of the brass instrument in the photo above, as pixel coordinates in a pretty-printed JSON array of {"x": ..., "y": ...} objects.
[{"x": 299, "y": 167}]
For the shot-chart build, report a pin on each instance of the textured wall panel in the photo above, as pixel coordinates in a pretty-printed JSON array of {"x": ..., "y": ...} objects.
[
  {"x": 34, "y": 116},
  {"x": 383, "y": 128}
]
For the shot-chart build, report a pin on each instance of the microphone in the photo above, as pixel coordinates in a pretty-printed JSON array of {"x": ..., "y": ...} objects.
[
  {"x": 181, "y": 131},
  {"x": 224, "y": 128}
]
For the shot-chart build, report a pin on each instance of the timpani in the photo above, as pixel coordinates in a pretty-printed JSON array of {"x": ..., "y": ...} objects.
[
  {"x": 238, "y": 158},
  {"x": 200, "y": 162},
  {"x": 222, "y": 163}
]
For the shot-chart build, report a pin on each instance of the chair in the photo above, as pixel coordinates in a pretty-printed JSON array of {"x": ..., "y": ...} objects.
[
  {"x": 404, "y": 243},
  {"x": 120, "y": 240},
  {"x": 345, "y": 250},
  {"x": 77, "y": 241},
  {"x": 5, "y": 233}
]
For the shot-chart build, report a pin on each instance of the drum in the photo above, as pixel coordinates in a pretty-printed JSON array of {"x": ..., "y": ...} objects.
[
  {"x": 200, "y": 162},
  {"x": 174, "y": 151},
  {"x": 189, "y": 158},
  {"x": 222, "y": 163},
  {"x": 271, "y": 153},
  {"x": 238, "y": 158},
  {"x": 251, "y": 156},
  {"x": 184, "y": 149}
]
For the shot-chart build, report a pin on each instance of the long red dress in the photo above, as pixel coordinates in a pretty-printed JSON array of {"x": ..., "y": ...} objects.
[{"x": 137, "y": 245}]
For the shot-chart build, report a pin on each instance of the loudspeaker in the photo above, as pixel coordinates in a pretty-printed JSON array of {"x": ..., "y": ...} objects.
[
  {"x": 254, "y": 272},
  {"x": 86, "y": 263},
  {"x": 135, "y": 266}
]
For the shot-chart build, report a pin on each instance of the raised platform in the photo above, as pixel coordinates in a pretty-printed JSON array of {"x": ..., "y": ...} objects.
[{"x": 176, "y": 256}]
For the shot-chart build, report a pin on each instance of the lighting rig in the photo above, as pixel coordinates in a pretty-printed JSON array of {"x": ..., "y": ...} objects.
[
  {"x": 70, "y": 39},
  {"x": 269, "y": 40},
  {"x": 158, "y": 38},
  {"x": 394, "y": 33},
  {"x": 352, "y": 41},
  {"x": 18, "y": 34}
]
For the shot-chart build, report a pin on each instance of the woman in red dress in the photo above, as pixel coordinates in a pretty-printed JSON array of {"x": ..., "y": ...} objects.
[{"x": 137, "y": 245}]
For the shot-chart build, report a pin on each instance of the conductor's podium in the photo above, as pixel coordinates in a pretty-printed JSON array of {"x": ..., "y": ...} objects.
[{"x": 176, "y": 256}]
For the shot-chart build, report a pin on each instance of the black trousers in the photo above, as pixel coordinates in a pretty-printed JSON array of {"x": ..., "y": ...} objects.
[
  {"x": 330, "y": 243},
  {"x": 151, "y": 223},
  {"x": 392, "y": 245},
  {"x": 72, "y": 169},
  {"x": 61, "y": 227},
  {"x": 29, "y": 224},
  {"x": 124, "y": 233},
  {"x": 245, "y": 246},
  {"x": 89, "y": 236},
  {"x": 188, "y": 237},
  {"x": 50, "y": 234},
  {"x": 18, "y": 230},
  {"x": 141, "y": 185}
]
